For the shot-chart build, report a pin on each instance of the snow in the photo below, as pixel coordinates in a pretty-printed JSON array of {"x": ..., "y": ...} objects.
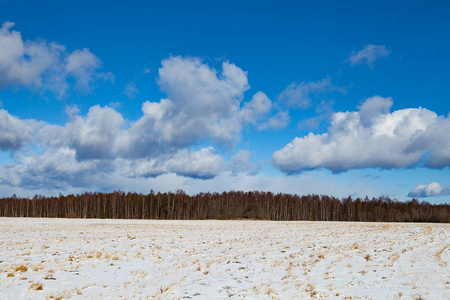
[{"x": 160, "y": 259}]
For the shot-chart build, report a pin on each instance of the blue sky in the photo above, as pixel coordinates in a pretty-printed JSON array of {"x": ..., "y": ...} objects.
[{"x": 289, "y": 96}]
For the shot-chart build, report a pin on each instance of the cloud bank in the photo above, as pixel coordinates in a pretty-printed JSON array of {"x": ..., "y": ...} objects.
[{"x": 372, "y": 137}]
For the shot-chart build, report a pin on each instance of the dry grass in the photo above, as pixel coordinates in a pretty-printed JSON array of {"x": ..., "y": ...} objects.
[
  {"x": 36, "y": 286},
  {"x": 21, "y": 269},
  {"x": 439, "y": 253}
]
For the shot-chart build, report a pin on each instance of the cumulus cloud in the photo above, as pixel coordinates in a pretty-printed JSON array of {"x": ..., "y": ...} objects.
[
  {"x": 372, "y": 137},
  {"x": 14, "y": 133},
  {"x": 200, "y": 101},
  {"x": 204, "y": 163},
  {"x": 94, "y": 136},
  {"x": 299, "y": 95},
  {"x": 203, "y": 105},
  {"x": 368, "y": 55},
  {"x": 433, "y": 189},
  {"x": 258, "y": 106},
  {"x": 256, "y": 111},
  {"x": 434, "y": 143},
  {"x": 45, "y": 66}
]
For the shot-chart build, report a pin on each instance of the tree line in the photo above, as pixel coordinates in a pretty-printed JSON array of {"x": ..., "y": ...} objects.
[{"x": 226, "y": 205}]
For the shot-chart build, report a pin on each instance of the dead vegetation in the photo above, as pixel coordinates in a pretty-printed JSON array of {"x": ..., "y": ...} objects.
[{"x": 36, "y": 286}]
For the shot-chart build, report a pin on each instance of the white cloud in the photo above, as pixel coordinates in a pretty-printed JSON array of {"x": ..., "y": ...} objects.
[
  {"x": 258, "y": 106},
  {"x": 298, "y": 95},
  {"x": 201, "y": 103},
  {"x": 257, "y": 110},
  {"x": 14, "y": 133},
  {"x": 372, "y": 138},
  {"x": 368, "y": 55},
  {"x": 434, "y": 142},
  {"x": 45, "y": 66},
  {"x": 433, "y": 189},
  {"x": 203, "y": 164},
  {"x": 95, "y": 136},
  {"x": 83, "y": 65},
  {"x": 55, "y": 168}
]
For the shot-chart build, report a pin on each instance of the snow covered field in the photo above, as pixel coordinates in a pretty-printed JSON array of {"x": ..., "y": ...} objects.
[{"x": 79, "y": 258}]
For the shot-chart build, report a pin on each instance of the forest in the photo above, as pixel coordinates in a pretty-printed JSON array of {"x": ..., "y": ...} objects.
[{"x": 226, "y": 205}]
